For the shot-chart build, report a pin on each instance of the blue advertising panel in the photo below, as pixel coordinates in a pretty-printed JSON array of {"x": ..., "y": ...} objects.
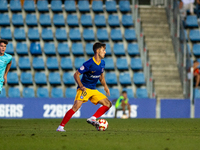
[
  {"x": 56, "y": 108},
  {"x": 175, "y": 108},
  {"x": 197, "y": 108}
]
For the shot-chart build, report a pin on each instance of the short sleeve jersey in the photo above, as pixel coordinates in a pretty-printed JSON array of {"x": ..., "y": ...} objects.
[
  {"x": 4, "y": 60},
  {"x": 91, "y": 71}
]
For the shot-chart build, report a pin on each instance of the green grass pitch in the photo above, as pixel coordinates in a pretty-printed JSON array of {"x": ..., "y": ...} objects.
[{"x": 133, "y": 134}]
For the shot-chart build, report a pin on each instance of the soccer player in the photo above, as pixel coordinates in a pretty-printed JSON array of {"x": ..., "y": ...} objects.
[
  {"x": 5, "y": 63},
  {"x": 92, "y": 71}
]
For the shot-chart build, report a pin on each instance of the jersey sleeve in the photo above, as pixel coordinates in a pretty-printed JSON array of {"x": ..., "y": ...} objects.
[
  {"x": 102, "y": 65},
  {"x": 84, "y": 68}
]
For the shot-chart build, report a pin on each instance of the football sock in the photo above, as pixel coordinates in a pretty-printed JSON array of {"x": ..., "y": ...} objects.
[
  {"x": 93, "y": 117},
  {"x": 101, "y": 111},
  {"x": 67, "y": 117}
]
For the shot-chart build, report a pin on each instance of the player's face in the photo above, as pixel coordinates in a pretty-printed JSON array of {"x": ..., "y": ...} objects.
[
  {"x": 102, "y": 52},
  {"x": 2, "y": 48},
  {"x": 125, "y": 95}
]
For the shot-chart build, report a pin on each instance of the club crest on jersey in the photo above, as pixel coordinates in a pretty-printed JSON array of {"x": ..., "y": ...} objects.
[
  {"x": 82, "y": 68},
  {"x": 5, "y": 62},
  {"x": 93, "y": 71},
  {"x": 102, "y": 69}
]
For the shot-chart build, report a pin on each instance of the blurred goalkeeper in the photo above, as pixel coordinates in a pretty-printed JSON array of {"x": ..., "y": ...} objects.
[
  {"x": 5, "y": 63},
  {"x": 92, "y": 71}
]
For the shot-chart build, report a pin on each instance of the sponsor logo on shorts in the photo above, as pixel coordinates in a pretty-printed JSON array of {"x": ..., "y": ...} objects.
[{"x": 83, "y": 94}]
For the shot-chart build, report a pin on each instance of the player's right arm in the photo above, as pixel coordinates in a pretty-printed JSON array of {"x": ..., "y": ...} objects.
[{"x": 78, "y": 80}]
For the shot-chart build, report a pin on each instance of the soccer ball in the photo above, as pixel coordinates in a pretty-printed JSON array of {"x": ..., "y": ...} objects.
[{"x": 103, "y": 125}]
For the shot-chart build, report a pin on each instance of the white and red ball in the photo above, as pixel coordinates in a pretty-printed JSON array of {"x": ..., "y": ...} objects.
[{"x": 103, "y": 125}]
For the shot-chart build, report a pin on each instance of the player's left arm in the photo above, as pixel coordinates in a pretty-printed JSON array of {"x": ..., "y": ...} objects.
[
  {"x": 103, "y": 82},
  {"x": 6, "y": 71}
]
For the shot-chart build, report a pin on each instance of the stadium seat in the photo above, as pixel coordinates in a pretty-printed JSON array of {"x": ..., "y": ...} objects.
[
  {"x": 61, "y": 34},
  {"x": 56, "y": 5},
  {"x": 28, "y": 92},
  {"x": 127, "y": 20},
  {"x": 42, "y": 6},
  {"x": 17, "y": 20},
  {"x": 14, "y": 64},
  {"x": 130, "y": 35},
  {"x": 31, "y": 19},
  {"x": 125, "y": 78},
  {"x": 22, "y": 49},
  {"x": 116, "y": 35},
  {"x": 63, "y": 49},
  {"x": 196, "y": 49},
  {"x": 75, "y": 35},
  {"x": 24, "y": 63},
  {"x": 45, "y": 20},
  {"x": 42, "y": 93},
  {"x": 52, "y": 63},
  {"x": 101, "y": 90},
  {"x": 113, "y": 20},
  {"x": 86, "y": 20},
  {"x": 3, "y": 6},
  {"x": 122, "y": 63},
  {"x": 133, "y": 49},
  {"x": 141, "y": 93},
  {"x": 70, "y": 92},
  {"x": 136, "y": 64},
  {"x": 88, "y": 35},
  {"x": 38, "y": 63},
  {"x": 114, "y": 93},
  {"x": 3, "y": 93},
  {"x": 19, "y": 34},
  {"x": 111, "y": 78},
  {"x": 66, "y": 63},
  {"x": 111, "y": 6},
  {"x": 100, "y": 20},
  {"x": 58, "y": 20},
  {"x": 10, "y": 48},
  {"x": 47, "y": 34},
  {"x": 108, "y": 50},
  {"x": 40, "y": 78},
  {"x": 196, "y": 93},
  {"x": 89, "y": 49},
  {"x": 6, "y": 34},
  {"x": 35, "y": 49},
  {"x": 118, "y": 49},
  {"x": 68, "y": 78},
  {"x": 13, "y": 92},
  {"x": 191, "y": 21},
  {"x": 78, "y": 62},
  {"x": 77, "y": 49},
  {"x": 12, "y": 78},
  {"x": 138, "y": 78},
  {"x": 4, "y": 19},
  {"x": 54, "y": 78},
  {"x": 124, "y": 6},
  {"x": 102, "y": 34},
  {"x": 97, "y": 6},
  {"x": 129, "y": 91},
  {"x": 72, "y": 20},
  {"x": 194, "y": 35},
  {"x": 15, "y": 5},
  {"x": 83, "y": 6},
  {"x": 70, "y": 6},
  {"x": 29, "y": 6},
  {"x": 26, "y": 78},
  {"x": 33, "y": 34},
  {"x": 56, "y": 93},
  {"x": 183, "y": 35},
  {"x": 109, "y": 63},
  {"x": 49, "y": 48}
]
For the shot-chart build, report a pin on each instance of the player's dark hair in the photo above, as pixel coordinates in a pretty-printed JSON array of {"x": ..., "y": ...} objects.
[
  {"x": 98, "y": 45},
  {"x": 4, "y": 41},
  {"x": 124, "y": 92},
  {"x": 195, "y": 61}
]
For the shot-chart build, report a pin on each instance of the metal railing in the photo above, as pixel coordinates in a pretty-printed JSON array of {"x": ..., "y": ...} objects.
[
  {"x": 143, "y": 50},
  {"x": 158, "y": 2},
  {"x": 180, "y": 46}
]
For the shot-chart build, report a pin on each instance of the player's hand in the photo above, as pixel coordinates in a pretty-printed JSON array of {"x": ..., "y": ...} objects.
[
  {"x": 5, "y": 79},
  {"x": 106, "y": 89},
  {"x": 83, "y": 88}
]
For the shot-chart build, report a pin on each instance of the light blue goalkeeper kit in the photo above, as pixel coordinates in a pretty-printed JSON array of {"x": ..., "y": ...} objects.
[{"x": 4, "y": 60}]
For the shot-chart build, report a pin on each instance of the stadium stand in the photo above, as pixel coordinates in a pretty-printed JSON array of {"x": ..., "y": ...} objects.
[
  {"x": 42, "y": 93},
  {"x": 45, "y": 20},
  {"x": 13, "y": 92},
  {"x": 68, "y": 78},
  {"x": 6, "y": 34},
  {"x": 97, "y": 6},
  {"x": 17, "y": 20},
  {"x": 70, "y": 92},
  {"x": 33, "y": 34},
  {"x": 4, "y": 20},
  {"x": 24, "y": 63},
  {"x": 14, "y": 64},
  {"x": 78, "y": 62},
  {"x": 52, "y": 63},
  {"x": 89, "y": 49},
  {"x": 77, "y": 49},
  {"x": 86, "y": 20},
  {"x": 114, "y": 93},
  {"x": 111, "y": 78},
  {"x": 63, "y": 49},
  {"x": 88, "y": 35},
  {"x": 125, "y": 78},
  {"x": 113, "y": 20},
  {"x": 75, "y": 35},
  {"x": 35, "y": 48},
  {"x": 83, "y": 6},
  {"x": 58, "y": 20},
  {"x": 102, "y": 34},
  {"x": 127, "y": 20},
  {"x": 31, "y": 19},
  {"x": 26, "y": 78},
  {"x": 29, "y": 6},
  {"x": 22, "y": 49},
  {"x": 56, "y": 5},
  {"x": 12, "y": 78},
  {"x": 118, "y": 49},
  {"x": 15, "y": 6},
  {"x": 138, "y": 78},
  {"x": 124, "y": 6},
  {"x": 3, "y": 93},
  {"x": 122, "y": 63},
  {"x": 56, "y": 93},
  {"x": 72, "y": 20},
  {"x": 111, "y": 6},
  {"x": 47, "y": 34},
  {"x": 3, "y": 6},
  {"x": 10, "y": 48},
  {"x": 66, "y": 63},
  {"x": 19, "y": 34},
  {"x": 49, "y": 48},
  {"x": 141, "y": 93},
  {"x": 109, "y": 63},
  {"x": 54, "y": 78},
  {"x": 129, "y": 91},
  {"x": 70, "y": 6},
  {"x": 42, "y": 6},
  {"x": 28, "y": 92},
  {"x": 40, "y": 78},
  {"x": 100, "y": 20}
]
